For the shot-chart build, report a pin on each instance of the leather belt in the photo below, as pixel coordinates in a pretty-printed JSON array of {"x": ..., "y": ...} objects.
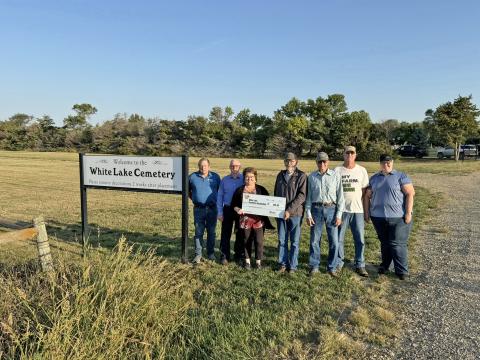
[{"x": 324, "y": 204}]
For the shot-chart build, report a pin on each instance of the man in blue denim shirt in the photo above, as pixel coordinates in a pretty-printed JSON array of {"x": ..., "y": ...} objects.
[
  {"x": 203, "y": 188},
  {"x": 226, "y": 215},
  {"x": 325, "y": 204}
]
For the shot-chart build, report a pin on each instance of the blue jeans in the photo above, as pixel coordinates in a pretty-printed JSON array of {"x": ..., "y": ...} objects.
[
  {"x": 205, "y": 217},
  {"x": 289, "y": 229},
  {"x": 393, "y": 235},
  {"x": 355, "y": 222},
  {"x": 320, "y": 216}
]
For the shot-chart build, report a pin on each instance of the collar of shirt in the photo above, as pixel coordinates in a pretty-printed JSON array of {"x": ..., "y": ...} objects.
[
  {"x": 328, "y": 172},
  {"x": 199, "y": 174},
  {"x": 393, "y": 172}
]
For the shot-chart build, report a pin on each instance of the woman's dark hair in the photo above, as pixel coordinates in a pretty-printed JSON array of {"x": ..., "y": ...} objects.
[{"x": 250, "y": 170}]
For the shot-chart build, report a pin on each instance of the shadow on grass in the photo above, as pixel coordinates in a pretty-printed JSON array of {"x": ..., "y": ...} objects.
[{"x": 103, "y": 237}]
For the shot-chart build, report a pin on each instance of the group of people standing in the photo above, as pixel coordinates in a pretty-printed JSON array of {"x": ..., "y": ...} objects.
[{"x": 341, "y": 198}]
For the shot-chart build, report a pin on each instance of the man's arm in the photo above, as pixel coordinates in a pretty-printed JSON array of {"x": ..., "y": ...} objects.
[
  {"x": 366, "y": 203},
  {"x": 340, "y": 208},
  {"x": 308, "y": 202},
  {"x": 220, "y": 195},
  {"x": 190, "y": 187},
  {"x": 409, "y": 192}
]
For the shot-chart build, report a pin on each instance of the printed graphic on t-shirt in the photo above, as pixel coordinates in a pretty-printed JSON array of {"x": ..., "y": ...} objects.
[
  {"x": 348, "y": 183},
  {"x": 353, "y": 181}
]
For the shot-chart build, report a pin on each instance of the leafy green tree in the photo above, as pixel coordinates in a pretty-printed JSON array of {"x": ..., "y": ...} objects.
[
  {"x": 351, "y": 129},
  {"x": 410, "y": 133},
  {"x": 80, "y": 119},
  {"x": 454, "y": 121}
]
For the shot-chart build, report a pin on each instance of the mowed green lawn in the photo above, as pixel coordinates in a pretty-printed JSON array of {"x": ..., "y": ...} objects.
[{"x": 155, "y": 306}]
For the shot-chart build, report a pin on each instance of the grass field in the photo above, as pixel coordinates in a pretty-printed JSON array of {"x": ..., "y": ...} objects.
[{"x": 124, "y": 304}]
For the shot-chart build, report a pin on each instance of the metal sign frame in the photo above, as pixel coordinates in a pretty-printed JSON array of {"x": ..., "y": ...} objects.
[{"x": 183, "y": 192}]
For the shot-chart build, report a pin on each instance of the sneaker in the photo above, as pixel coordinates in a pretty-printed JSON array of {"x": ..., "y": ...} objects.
[
  {"x": 247, "y": 266},
  {"x": 292, "y": 271},
  {"x": 197, "y": 259},
  {"x": 282, "y": 269},
  {"x": 361, "y": 271},
  {"x": 258, "y": 266},
  {"x": 211, "y": 257},
  {"x": 381, "y": 270},
  {"x": 332, "y": 273},
  {"x": 313, "y": 272},
  {"x": 224, "y": 261}
]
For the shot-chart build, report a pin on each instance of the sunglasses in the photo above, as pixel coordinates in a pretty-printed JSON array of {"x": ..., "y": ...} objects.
[{"x": 322, "y": 161}]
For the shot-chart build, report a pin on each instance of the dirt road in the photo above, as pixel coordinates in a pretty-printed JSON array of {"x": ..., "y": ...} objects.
[{"x": 442, "y": 308}]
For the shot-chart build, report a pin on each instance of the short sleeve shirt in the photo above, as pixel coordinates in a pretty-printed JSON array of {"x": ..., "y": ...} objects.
[
  {"x": 388, "y": 200},
  {"x": 204, "y": 189},
  {"x": 353, "y": 181}
]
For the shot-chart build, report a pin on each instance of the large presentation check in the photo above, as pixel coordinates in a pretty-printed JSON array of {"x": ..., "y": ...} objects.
[{"x": 273, "y": 206}]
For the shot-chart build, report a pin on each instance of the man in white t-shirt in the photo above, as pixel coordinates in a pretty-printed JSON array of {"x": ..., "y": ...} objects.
[{"x": 354, "y": 182}]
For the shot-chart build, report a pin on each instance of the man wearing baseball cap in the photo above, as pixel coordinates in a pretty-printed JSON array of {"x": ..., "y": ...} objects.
[
  {"x": 354, "y": 182},
  {"x": 291, "y": 184},
  {"x": 325, "y": 204}
]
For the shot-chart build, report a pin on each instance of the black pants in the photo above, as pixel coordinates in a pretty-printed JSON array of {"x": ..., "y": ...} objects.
[
  {"x": 227, "y": 226},
  {"x": 253, "y": 236}
]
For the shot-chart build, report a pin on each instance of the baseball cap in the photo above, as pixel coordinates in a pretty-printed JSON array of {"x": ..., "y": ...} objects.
[
  {"x": 350, "y": 148},
  {"x": 290, "y": 156},
  {"x": 322, "y": 156},
  {"x": 385, "y": 157}
]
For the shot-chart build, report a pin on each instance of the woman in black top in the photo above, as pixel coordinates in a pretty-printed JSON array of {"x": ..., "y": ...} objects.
[{"x": 250, "y": 226}]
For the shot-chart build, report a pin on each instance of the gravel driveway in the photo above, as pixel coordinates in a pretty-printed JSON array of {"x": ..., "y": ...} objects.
[{"x": 442, "y": 310}]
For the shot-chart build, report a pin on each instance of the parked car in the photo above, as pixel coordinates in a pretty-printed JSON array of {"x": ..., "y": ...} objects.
[
  {"x": 465, "y": 151},
  {"x": 446, "y": 152},
  {"x": 412, "y": 150}
]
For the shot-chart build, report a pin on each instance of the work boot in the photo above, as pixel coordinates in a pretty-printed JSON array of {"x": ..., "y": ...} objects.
[{"x": 361, "y": 271}]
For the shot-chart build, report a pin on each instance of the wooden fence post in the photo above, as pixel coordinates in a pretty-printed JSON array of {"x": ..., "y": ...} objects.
[{"x": 42, "y": 244}]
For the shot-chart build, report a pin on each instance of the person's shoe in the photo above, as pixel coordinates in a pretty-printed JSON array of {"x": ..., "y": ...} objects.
[
  {"x": 282, "y": 269},
  {"x": 402, "y": 276},
  {"x": 292, "y": 271},
  {"x": 211, "y": 257},
  {"x": 258, "y": 266},
  {"x": 197, "y": 259},
  {"x": 313, "y": 272},
  {"x": 332, "y": 273},
  {"x": 247, "y": 266},
  {"x": 381, "y": 270},
  {"x": 224, "y": 261},
  {"x": 361, "y": 271}
]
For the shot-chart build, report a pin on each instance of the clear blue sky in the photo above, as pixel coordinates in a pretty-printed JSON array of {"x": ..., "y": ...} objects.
[{"x": 172, "y": 59}]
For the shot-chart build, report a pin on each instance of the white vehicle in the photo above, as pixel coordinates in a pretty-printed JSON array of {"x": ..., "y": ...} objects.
[{"x": 465, "y": 151}]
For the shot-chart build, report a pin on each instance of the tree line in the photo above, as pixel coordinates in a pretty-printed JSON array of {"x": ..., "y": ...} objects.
[{"x": 303, "y": 127}]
